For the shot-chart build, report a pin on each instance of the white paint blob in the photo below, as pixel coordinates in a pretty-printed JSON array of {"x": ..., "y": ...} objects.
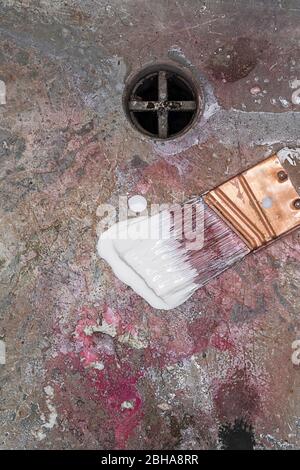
[
  {"x": 291, "y": 155},
  {"x": 267, "y": 202},
  {"x": 2, "y": 352},
  {"x": 143, "y": 256},
  {"x": 137, "y": 203},
  {"x": 255, "y": 90},
  {"x": 296, "y": 97},
  {"x": 294, "y": 83},
  {"x": 284, "y": 102},
  {"x": 52, "y": 417},
  {"x": 2, "y": 92}
]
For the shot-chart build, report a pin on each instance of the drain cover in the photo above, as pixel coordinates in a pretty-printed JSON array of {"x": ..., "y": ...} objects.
[{"x": 162, "y": 103}]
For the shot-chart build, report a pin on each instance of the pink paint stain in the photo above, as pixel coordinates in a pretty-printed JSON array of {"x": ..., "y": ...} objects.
[
  {"x": 115, "y": 388},
  {"x": 110, "y": 387},
  {"x": 221, "y": 342},
  {"x": 111, "y": 317}
]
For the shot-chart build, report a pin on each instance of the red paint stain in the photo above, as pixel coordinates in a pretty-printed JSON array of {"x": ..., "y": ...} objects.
[
  {"x": 222, "y": 343},
  {"x": 108, "y": 388},
  {"x": 201, "y": 331},
  {"x": 111, "y": 317},
  {"x": 113, "y": 389}
]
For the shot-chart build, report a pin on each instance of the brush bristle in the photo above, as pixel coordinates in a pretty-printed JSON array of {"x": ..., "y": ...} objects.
[
  {"x": 222, "y": 247},
  {"x": 166, "y": 257}
]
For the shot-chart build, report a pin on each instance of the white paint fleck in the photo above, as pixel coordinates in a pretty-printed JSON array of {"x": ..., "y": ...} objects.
[
  {"x": 49, "y": 391},
  {"x": 97, "y": 365},
  {"x": 296, "y": 97},
  {"x": 255, "y": 90},
  {"x": 52, "y": 410},
  {"x": 291, "y": 155},
  {"x": 284, "y": 102},
  {"x": 49, "y": 423},
  {"x": 104, "y": 328},
  {"x": 296, "y": 354},
  {"x": 39, "y": 435},
  {"x": 127, "y": 405},
  {"x": 137, "y": 203},
  {"x": 164, "y": 406},
  {"x": 134, "y": 341},
  {"x": 2, "y": 352},
  {"x": 294, "y": 84},
  {"x": 2, "y": 92},
  {"x": 267, "y": 202}
]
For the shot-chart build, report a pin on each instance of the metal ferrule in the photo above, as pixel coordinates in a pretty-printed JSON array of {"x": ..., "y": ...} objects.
[{"x": 260, "y": 204}]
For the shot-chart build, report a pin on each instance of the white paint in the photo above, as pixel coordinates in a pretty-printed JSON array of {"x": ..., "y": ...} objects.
[
  {"x": 267, "y": 202},
  {"x": 164, "y": 406},
  {"x": 127, "y": 405},
  {"x": 40, "y": 435},
  {"x": 294, "y": 84},
  {"x": 255, "y": 90},
  {"x": 284, "y": 102},
  {"x": 2, "y": 352},
  {"x": 52, "y": 410},
  {"x": 2, "y": 92},
  {"x": 49, "y": 423},
  {"x": 97, "y": 365},
  {"x": 291, "y": 155},
  {"x": 137, "y": 203},
  {"x": 104, "y": 328},
  {"x": 143, "y": 256},
  {"x": 296, "y": 97},
  {"x": 296, "y": 354},
  {"x": 133, "y": 341}
]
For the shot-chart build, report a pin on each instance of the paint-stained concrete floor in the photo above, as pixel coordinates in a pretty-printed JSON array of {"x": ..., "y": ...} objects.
[{"x": 149, "y": 379}]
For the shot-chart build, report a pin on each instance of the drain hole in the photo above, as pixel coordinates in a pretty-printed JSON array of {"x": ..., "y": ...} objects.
[
  {"x": 147, "y": 90},
  {"x": 178, "y": 89},
  {"x": 148, "y": 121},
  {"x": 178, "y": 121},
  {"x": 162, "y": 103}
]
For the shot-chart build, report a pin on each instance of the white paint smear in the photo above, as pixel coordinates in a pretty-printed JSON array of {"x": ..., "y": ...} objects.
[
  {"x": 2, "y": 352},
  {"x": 104, "y": 328},
  {"x": 154, "y": 265},
  {"x": 2, "y": 92},
  {"x": 291, "y": 155},
  {"x": 52, "y": 410},
  {"x": 52, "y": 417}
]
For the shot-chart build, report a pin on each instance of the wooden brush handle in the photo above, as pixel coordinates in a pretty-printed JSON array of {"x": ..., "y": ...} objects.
[{"x": 260, "y": 204}]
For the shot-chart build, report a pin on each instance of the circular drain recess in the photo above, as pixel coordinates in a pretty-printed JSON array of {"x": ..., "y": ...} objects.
[{"x": 162, "y": 102}]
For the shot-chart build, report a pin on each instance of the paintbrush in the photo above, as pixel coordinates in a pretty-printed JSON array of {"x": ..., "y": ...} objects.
[{"x": 165, "y": 257}]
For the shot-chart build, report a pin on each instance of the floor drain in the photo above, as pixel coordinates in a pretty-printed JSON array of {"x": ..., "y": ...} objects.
[{"x": 162, "y": 102}]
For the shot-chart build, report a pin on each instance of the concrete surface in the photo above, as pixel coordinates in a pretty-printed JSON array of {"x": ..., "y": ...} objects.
[{"x": 150, "y": 379}]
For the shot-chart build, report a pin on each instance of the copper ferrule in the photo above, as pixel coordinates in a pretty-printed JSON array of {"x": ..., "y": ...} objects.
[{"x": 260, "y": 204}]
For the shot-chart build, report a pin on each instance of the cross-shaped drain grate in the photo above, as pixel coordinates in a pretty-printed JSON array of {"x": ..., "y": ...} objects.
[{"x": 162, "y": 104}]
